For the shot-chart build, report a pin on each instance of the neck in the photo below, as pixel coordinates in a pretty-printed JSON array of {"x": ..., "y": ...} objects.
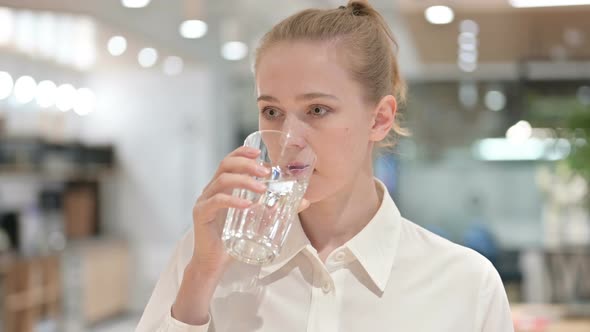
[{"x": 330, "y": 223}]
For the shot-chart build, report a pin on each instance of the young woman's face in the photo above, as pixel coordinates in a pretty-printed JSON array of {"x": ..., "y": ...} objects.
[{"x": 304, "y": 88}]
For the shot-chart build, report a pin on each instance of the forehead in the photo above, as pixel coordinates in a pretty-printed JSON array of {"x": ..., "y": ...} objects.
[{"x": 302, "y": 67}]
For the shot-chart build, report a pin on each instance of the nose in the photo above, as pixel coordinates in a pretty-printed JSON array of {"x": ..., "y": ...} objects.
[
  {"x": 295, "y": 128},
  {"x": 297, "y": 142}
]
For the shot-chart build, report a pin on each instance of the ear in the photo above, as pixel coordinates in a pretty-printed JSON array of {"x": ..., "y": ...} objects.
[{"x": 383, "y": 118}]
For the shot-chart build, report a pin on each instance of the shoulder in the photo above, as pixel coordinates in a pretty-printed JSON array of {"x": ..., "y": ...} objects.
[
  {"x": 451, "y": 273},
  {"x": 439, "y": 255}
]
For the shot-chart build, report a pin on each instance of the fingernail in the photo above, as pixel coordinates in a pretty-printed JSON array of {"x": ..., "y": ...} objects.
[
  {"x": 252, "y": 150},
  {"x": 263, "y": 170},
  {"x": 261, "y": 186}
]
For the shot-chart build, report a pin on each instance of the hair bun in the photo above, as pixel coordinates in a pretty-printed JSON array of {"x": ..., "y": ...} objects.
[{"x": 359, "y": 8}]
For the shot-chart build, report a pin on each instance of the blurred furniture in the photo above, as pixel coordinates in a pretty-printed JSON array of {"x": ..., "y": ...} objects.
[
  {"x": 72, "y": 166},
  {"x": 71, "y": 159},
  {"x": 81, "y": 209},
  {"x": 556, "y": 275},
  {"x": 97, "y": 274},
  {"x": 60, "y": 182},
  {"x": 508, "y": 267},
  {"x": 546, "y": 318},
  {"x": 31, "y": 292},
  {"x": 569, "y": 274}
]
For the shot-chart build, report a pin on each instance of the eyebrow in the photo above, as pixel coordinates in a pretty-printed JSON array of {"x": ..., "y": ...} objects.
[{"x": 305, "y": 96}]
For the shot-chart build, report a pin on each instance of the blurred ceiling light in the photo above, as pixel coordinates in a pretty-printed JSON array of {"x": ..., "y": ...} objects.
[
  {"x": 85, "y": 102},
  {"x": 147, "y": 57},
  {"x": 65, "y": 48},
  {"x": 469, "y": 26},
  {"x": 193, "y": 29},
  {"x": 467, "y": 41},
  {"x": 468, "y": 38},
  {"x": 584, "y": 95},
  {"x": 117, "y": 45},
  {"x": 6, "y": 85},
  {"x": 135, "y": 3},
  {"x": 234, "y": 50},
  {"x": 495, "y": 100},
  {"x": 65, "y": 97},
  {"x": 468, "y": 47},
  {"x": 468, "y": 56},
  {"x": 468, "y": 94},
  {"x": 547, "y": 3},
  {"x": 467, "y": 53},
  {"x": 6, "y": 25},
  {"x": 46, "y": 34},
  {"x": 25, "y": 30},
  {"x": 65, "y": 38},
  {"x": 46, "y": 91},
  {"x": 173, "y": 65},
  {"x": 467, "y": 66},
  {"x": 25, "y": 89},
  {"x": 501, "y": 149},
  {"x": 84, "y": 43},
  {"x": 498, "y": 149},
  {"x": 439, "y": 14},
  {"x": 520, "y": 132}
]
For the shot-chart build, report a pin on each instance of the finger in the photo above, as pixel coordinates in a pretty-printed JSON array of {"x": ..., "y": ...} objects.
[
  {"x": 245, "y": 151},
  {"x": 227, "y": 182},
  {"x": 241, "y": 165},
  {"x": 303, "y": 205},
  {"x": 206, "y": 210}
]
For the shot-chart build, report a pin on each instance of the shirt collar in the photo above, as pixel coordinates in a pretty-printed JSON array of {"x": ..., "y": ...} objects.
[
  {"x": 374, "y": 246},
  {"x": 296, "y": 241}
]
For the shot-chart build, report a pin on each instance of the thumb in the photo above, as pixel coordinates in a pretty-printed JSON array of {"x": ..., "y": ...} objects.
[{"x": 303, "y": 205}]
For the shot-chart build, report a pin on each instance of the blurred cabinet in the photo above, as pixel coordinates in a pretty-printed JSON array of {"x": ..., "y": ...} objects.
[
  {"x": 96, "y": 273},
  {"x": 80, "y": 200},
  {"x": 31, "y": 292}
]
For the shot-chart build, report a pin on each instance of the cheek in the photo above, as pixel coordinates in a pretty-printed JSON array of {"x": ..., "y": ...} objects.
[
  {"x": 336, "y": 149},
  {"x": 340, "y": 155}
]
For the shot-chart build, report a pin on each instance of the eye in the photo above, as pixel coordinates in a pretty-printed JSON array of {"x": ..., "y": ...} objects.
[
  {"x": 271, "y": 113},
  {"x": 318, "y": 111}
]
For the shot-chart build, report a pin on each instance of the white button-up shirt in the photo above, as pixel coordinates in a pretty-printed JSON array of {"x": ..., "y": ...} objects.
[{"x": 392, "y": 276}]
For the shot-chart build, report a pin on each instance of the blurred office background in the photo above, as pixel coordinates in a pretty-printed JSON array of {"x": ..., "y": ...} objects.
[{"x": 114, "y": 115}]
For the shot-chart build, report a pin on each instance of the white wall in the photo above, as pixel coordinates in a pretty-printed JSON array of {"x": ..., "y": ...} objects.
[{"x": 165, "y": 131}]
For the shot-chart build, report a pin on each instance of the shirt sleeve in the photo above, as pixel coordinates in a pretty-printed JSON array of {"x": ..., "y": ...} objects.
[
  {"x": 157, "y": 314},
  {"x": 493, "y": 310},
  {"x": 172, "y": 325}
]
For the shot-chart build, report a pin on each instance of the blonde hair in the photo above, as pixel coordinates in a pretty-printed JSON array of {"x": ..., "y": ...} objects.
[{"x": 371, "y": 49}]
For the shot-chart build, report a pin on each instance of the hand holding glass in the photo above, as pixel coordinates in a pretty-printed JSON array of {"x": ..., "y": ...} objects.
[{"x": 256, "y": 234}]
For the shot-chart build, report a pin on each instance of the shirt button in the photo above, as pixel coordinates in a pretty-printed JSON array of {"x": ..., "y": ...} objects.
[
  {"x": 339, "y": 257},
  {"x": 327, "y": 287}
]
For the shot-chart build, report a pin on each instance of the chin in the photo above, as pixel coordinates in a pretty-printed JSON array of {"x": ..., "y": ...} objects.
[{"x": 316, "y": 190}]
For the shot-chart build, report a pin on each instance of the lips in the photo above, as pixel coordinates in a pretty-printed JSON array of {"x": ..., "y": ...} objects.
[{"x": 297, "y": 168}]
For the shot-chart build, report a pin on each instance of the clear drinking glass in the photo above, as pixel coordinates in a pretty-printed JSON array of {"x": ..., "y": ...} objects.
[{"x": 256, "y": 234}]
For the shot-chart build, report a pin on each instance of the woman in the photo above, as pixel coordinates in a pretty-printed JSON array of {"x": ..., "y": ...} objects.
[{"x": 351, "y": 262}]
